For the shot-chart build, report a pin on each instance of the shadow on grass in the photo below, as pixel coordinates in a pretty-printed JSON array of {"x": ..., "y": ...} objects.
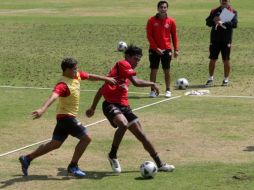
[
  {"x": 249, "y": 148},
  {"x": 61, "y": 176}
]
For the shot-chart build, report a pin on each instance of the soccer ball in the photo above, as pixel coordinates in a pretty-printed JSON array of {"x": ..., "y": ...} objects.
[
  {"x": 182, "y": 83},
  {"x": 148, "y": 169},
  {"x": 121, "y": 46}
]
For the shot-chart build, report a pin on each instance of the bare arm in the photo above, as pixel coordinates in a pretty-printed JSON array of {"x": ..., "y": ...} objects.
[
  {"x": 39, "y": 112},
  {"x": 91, "y": 110},
  {"x": 143, "y": 83},
  {"x": 109, "y": 80}
]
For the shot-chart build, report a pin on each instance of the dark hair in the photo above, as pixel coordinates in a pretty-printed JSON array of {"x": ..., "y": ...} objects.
[
  {"x": 68, "y": 63},
  {"x": 133, "y": 50},
  {"x": 161, "y": 2}
]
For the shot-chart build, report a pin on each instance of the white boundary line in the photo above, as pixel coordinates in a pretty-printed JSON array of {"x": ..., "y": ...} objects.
[
  {"x": 91, "y": 124},
  {"x": 221, "y": 96}
]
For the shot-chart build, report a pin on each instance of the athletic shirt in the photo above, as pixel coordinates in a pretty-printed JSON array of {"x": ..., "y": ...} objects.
[
  {"x": 159, "y": 32},
  {"x": 69, "y": 93},
  {"x": 118, "y": 93}
]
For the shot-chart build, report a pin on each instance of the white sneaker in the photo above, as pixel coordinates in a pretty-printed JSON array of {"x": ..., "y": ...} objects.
[
  {"x": 115, "y": 165},
  {"x": 166, "y": 168},
  {"x": 167, "y": 94},
  {"x": 152, "y": 94}
]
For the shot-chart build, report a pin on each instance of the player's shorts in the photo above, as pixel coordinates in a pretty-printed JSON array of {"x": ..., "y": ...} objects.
[
  {"x": 155, "y": 59},
  {"x": 110, "y": 110},
  {"x": 216, "y": 47},
  {"x": 68, "y": 126}
]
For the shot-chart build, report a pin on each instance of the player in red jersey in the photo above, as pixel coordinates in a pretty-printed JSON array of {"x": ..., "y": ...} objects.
[
  {"x": 163, "y": 44},
  {"x": 117, "y": 110},
  {"x": 67, "y": 90}
]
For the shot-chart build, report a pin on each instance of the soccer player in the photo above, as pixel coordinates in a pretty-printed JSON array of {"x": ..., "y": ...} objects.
[
  {"x": 117, "y": 110},
  {"x": 220, "y": 40},
  {"x": 163, "y": 44},
  {"x": 67, "y": 90}
]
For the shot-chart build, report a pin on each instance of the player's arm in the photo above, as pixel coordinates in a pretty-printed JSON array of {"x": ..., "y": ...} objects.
[
  {"x": 39, "y": 112},
  {"x": 91, "y": 110},
  {"x": 109, "y": 80},
  {"x": 143, "y": 83}
]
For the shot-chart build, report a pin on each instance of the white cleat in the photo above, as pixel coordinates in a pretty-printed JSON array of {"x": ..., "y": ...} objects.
[
  {"x": 166, "y": 168},
  {"x": 167, "y": 94},
  {"x": 115, "y": 165},
  {"x": 152, "y": 94}
]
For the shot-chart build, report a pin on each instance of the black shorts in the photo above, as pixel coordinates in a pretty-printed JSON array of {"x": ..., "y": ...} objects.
[
  {"x": 217, "y": 47},
  {"x": 155, "y": 59},
  {"x": 68, "y": 126},
  {"x": 110, "y": 110}
]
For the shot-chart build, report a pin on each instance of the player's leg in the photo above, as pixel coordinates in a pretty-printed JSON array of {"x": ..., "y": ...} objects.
[
  {"x": 154, "y": 60},
  {"x": 225, "y": 53},
  {"x": 165, "y": 61},
  {"x": 76, "y": 129}
]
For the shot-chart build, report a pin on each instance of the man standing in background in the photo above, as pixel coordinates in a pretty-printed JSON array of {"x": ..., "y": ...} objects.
[
  {"x": 159, "y": 30},
  {"x": 220, "y": 39}
]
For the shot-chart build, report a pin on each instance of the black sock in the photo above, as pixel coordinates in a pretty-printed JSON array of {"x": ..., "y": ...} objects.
[
  {"x": 113, "y": 151},
  {"x": 157, "y": 160},
  {"x": 167, "y": 89},
  {"x": 73, "y": 164}
]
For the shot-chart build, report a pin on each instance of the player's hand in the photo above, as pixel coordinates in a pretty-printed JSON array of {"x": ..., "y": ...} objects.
[
  {"x": 159, "y": 51},
  {"x": 90, "y": 112},
  {"x": 111, "y": 80},
  {"x": 156, "y": 89},
  {"x": 37, "y": 113},
  {"x": 176, "y": 53},
  {"x": 216, "y": 19}
]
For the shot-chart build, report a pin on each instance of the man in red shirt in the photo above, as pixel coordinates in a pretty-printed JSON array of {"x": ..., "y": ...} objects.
[
  {"x": 117, "y": 110},
  {"x": 159, "y": 30},
  {"x": 67, "y": 90}
]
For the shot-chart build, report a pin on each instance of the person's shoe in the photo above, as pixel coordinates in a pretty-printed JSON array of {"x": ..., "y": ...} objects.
[
  {"x": 24, "y": 164},
  {"x": 224, "y": 83},
  {"x": 166, "y": 168},
  {"x": 209, "y": 83},
  {"x": 115, "y": 165},
  {"x": 167, "y": 94},
  {"x": 76, "y": 171},
  {"x": 152, "y": 94}
]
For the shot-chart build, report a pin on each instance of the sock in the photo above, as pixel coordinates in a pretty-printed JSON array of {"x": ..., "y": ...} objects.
[
  {"x": 113, "y": 151},
  {"x": 167, "y": 89},
  {"x": 226, "y": 79},
  {"x": 157, "y": 160},
  {"x": 73, "y": 164},
  {"x": 210, "y": 78}
]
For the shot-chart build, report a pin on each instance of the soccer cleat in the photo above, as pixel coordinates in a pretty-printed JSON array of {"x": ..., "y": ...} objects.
[
  {"x": 209, "y": 83},
  {"x": 224, "y": 83},
  {"x": 152, "y": 94},
  {"x": 166, "y": 168},
  {"x": 115, "y": 165},
  {"x": 167, "y": 94},
  {"x": 76, "y": 171},
  {"x": 24, "y": 164}
]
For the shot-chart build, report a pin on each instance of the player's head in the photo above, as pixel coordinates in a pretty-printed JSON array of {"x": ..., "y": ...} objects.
[
  {"x": 162, "y": 8},
  {"x": 133, "y": 55},
  {"x": 69, "y": 67},
  {"x": 224, "y": 3}
]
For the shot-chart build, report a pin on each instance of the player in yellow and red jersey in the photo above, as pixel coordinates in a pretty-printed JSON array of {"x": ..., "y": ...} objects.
[{"x": 67, "y": 90}]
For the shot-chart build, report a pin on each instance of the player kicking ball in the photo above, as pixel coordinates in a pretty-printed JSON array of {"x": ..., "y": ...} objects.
[
  {"x": 118, "y": 112},
  {"x": 67, "y": 90}
]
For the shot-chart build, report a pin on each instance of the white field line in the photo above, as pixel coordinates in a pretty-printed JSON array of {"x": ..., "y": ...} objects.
[
  {"x": 41, "y": 88},
  {"x": 221, "y": 96},
  {"x": 91, "y": 124}
]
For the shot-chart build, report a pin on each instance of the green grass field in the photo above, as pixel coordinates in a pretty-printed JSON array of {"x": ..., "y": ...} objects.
[{"x": 208, "y": 138}]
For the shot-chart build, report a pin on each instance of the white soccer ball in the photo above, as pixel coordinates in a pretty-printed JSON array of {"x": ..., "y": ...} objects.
[
  {"x": 122, "y": 46},
  {"x": 182, "y": 83},
  {"x": 148, "y": 169}
]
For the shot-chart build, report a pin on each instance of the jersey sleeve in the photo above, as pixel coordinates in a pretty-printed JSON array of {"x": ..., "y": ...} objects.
[
  {"x": 83, "y": 75},
  {"x": 125, "y": 70},
  {"x": 61, "y": 89}
]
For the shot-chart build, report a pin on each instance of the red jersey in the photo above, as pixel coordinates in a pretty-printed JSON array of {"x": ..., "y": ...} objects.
[
  {"x": 118, "y": 93},
  {"x": 159, "y": 32}
]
